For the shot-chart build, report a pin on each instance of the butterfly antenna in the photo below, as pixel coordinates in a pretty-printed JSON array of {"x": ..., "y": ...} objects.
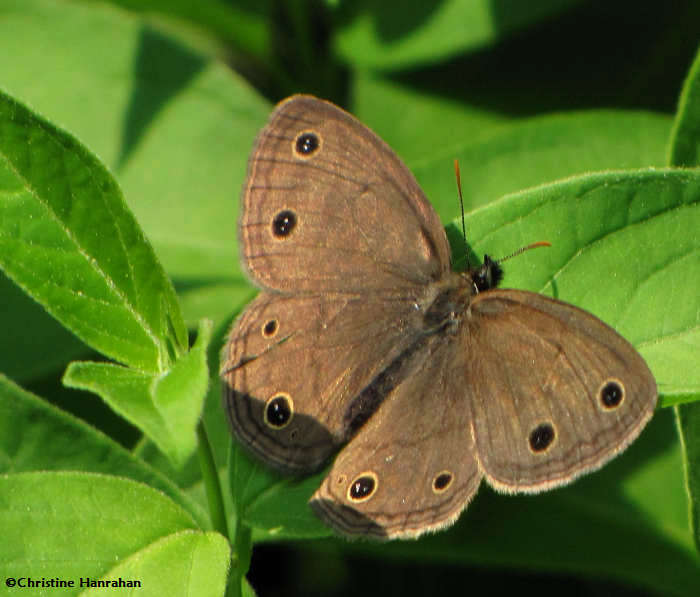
[
  {"x": 461, "y": 205},
  {"x": 542, "y": 243}
]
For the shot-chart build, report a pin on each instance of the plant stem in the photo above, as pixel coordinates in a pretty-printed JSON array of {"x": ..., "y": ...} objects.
[{"x": 212, "y": 485}]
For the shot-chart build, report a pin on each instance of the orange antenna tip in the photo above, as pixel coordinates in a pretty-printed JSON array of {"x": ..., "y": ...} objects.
[{"x": 541, "y": 243}]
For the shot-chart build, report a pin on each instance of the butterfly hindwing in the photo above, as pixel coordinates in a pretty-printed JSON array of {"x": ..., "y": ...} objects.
[
  {"x": 412, "y": 468},
  {"x": 294, "y": 364},
  {"x": 554, "y": 391}
]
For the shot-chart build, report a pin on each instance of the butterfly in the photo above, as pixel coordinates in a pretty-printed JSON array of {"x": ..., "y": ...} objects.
[{"x": 364, "y": 342}]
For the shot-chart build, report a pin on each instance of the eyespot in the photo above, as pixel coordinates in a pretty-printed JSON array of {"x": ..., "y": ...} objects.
[
  {"x": 269, "y": 328},
  {"x": 279, "y": 411},
  {"x": 611, "y": 394},
  {"x": 283, "y": 223},
  {"x": 306, "y": 144},
  {"x": 542, "y": 437},
  {"x": 442, "y": 481},
  {"x": 363, "y": 487}
]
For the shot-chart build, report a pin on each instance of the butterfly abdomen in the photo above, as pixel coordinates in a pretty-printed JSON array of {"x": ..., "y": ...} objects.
[{"x": 366, "y": 403}]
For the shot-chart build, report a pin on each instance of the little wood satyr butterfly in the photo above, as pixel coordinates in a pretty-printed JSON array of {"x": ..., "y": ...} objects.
[{"x": 363, "y": 338}]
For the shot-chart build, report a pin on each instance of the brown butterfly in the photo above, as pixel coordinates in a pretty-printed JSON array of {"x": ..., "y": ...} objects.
[{"x": 364, "y": 338}]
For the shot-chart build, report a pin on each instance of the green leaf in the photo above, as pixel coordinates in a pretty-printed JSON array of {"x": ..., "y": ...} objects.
[
  {"x": 166, "y": 407},
  {"x": 241, "y": 25},
  {"x": 685, "y": 139},
  {"x": 542, "y": 149},
  {"x": 28, "y": 424},
  {"x": 391, "y": 35},
  {"x": 282, "y": 510},
  {"x": 68, "y": 239},
  {"x": 174, "y": 126},
  {"x": 617, "y": 239},
  {"x": 498, "y": 155},
  {"x": 101, "y": 526},
  {"x": 274, "y": 506},
  {"x": 160, "y": 564},
  {"x": 180, "y": 393},
  {"x": 685, "y": 151},
  {"x": 246, "y": 589},
  {"x": 688, "y": 420},
  {"x": 34, "y": 342}
]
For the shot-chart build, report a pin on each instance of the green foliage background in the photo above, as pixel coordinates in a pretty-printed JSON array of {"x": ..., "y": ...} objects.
[{"x": 125, "y": 128}]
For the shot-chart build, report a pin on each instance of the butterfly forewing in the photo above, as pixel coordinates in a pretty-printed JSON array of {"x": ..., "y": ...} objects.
[{"x": 329, "y": 207}]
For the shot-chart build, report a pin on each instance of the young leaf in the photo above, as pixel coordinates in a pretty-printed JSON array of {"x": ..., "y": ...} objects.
[{"x": 166, "y": 407}]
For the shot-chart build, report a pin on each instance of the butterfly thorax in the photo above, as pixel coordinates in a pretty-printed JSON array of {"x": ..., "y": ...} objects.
[{"x": 448, "y": 299}]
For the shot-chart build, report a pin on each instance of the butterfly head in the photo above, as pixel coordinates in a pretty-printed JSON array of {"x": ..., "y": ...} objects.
[
  {"x": 490, "y": 274},
  {"x": 487, "y": 276}
]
